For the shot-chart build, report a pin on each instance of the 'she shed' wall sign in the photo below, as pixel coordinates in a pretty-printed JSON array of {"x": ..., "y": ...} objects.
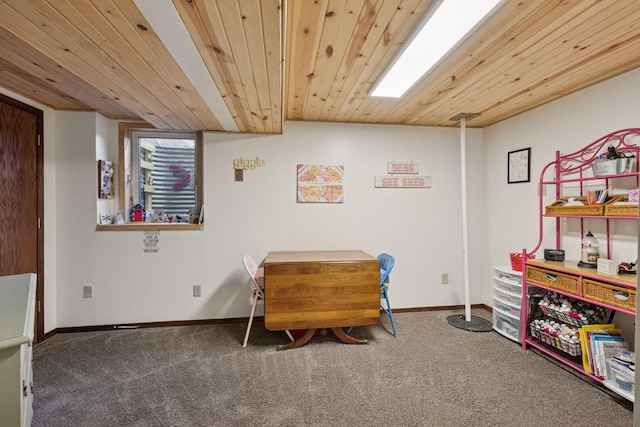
[{"x": 409, "y": 178}]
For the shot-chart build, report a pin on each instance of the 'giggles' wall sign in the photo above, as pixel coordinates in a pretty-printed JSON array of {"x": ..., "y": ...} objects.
[{"x": 243, "y": 163}]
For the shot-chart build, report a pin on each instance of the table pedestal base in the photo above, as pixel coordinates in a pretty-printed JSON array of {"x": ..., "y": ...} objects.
[{"x": 347, "y": 339}]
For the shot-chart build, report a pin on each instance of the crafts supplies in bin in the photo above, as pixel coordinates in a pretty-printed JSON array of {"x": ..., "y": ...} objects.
[
  {"x": 516, "y": 260},
  {"x": 558, "y": 335},
  {"x": 579, "y": 205},
  {"x": 570, "y": 311},
  {"x": 622, "y": 206},
  {"x": 613, "y": 163}
]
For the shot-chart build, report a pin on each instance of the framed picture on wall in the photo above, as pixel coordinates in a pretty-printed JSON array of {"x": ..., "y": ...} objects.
[
  {"x": 320, "y": 183},
  {"x": 106, "y": 189},
  {"x": 518, "y": 166}
]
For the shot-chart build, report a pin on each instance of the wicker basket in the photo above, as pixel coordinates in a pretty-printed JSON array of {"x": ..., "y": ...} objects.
[
  {"x": 616, "y": 296},
  {"x": 559, "y": 208},
  {"x": 621, "y": 210},
  {"x": 554, "y": 280}
]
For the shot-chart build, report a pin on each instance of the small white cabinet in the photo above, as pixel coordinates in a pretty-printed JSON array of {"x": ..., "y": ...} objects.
[
  {"x": 17, "y": 316},
  {"x": 507, "y": 301}
]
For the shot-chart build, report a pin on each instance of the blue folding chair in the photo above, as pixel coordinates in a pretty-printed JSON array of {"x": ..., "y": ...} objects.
[{"x": 386, "y": 265}]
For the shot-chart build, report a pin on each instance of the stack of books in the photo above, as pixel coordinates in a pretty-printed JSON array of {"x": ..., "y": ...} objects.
[{"x": 600, "y": 342}]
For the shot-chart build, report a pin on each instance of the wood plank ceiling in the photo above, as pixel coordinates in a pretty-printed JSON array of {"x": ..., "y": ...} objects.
[{"x": 315, "y": 60}]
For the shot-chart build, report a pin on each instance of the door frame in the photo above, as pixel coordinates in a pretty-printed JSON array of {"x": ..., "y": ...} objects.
[{"x": 39, "y": 315}]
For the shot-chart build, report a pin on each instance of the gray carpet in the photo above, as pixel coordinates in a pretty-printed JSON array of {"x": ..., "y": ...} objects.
[{"x": 432, "y": 375}]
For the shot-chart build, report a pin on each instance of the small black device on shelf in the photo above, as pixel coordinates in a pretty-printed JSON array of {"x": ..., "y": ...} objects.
[{"x": 554, "y": 254}]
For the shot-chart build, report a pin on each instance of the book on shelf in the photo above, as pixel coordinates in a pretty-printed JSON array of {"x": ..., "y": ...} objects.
[
  {"x": 592, "y": 337},
  {"x": 586, "y": 332},
  {"x": 606, "y": 347}
]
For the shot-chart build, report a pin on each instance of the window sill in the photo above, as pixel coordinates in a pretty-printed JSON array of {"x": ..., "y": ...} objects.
[{"x": 149, "y": 226}]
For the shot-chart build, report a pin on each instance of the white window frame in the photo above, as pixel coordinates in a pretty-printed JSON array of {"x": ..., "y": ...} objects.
[{"x": 128, "y": 177}]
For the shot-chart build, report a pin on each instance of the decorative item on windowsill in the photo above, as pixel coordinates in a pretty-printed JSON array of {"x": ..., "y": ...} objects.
[
  {"x": 194, "y": 216},
  {"x": 119, "y": 218},
  {"x": 590, "y": 252},
  {"x": 137, "y": 213},
  {"x": 158, "y": 215},
  {"x": 516, "y": 260}
]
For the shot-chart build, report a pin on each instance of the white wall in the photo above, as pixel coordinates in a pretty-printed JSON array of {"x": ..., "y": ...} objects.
[{"x": 420, "y": 227}]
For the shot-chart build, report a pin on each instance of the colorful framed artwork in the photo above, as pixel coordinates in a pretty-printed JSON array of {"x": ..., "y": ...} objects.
[
  {"x": 106, "y": 189},
  {"x": 320, "y": 184},
  {"x": 518, "y": 167}
]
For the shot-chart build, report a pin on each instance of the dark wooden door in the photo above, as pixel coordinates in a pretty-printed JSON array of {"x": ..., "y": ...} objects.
[{"x": 21, "y": 200}]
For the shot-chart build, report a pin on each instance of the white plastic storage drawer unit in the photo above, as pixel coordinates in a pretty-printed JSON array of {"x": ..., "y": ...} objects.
[{"x": 507, "y": 299}]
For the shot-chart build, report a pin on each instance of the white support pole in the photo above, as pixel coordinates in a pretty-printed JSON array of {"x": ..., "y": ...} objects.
[{"x": 465, "y": 237}]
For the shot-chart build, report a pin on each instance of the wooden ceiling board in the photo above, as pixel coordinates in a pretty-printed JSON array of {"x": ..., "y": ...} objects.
[
  {"x": 232, "y": 19},
  {"x": 477, "y": 81},
  {"x": 600, "y": 68},
  {"x": 372, "y": 51},
  {"x": 255, "y": 37},
  {"x": 150, "y": 55},
  {"x": 202, "y": 21},
  {"x": 434, "y": 104},
  {"x": 476, "y": 54},
  {"x": 303, "y": 38},
  {"x": 72, "y": 52},
  {"x": 537, "y": 72},
  {"x": 375, "y": 37},
  {"x": 22, "y": 67},
  {"x": 320, "y": 58},
  {"x": 114, "y": 47},
  {"x": 240, "y": 43},
  {"x": 273, "y": 23},
  {"x": 344, "y": 25}
]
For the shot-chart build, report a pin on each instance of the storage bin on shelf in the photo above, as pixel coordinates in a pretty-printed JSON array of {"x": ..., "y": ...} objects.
[
  {"x": 557, "y": 335},
  {"x": 559, "y": 207},
  {"x": 570, "y": 311},
  {"x": 616, "y": 296},
  {"x": 516, "y": 260},
  {"x": 621, "y": 207},
  {"x": 623, "y": 377},
  {"x": 601, "y": 167},
  {"x": 552, "y": 279}
]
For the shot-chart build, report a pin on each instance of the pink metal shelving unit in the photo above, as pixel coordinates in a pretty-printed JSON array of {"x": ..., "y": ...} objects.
[{"x": 573, "y": 168}]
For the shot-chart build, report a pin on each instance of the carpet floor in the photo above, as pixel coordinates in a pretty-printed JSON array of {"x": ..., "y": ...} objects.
[{"x": 432, "y": 375}]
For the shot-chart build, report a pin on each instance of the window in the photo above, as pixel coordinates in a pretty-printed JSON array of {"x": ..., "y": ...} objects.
[{"x": 160, "y": 172}]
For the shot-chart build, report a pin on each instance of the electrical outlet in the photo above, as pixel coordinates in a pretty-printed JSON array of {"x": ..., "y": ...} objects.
[
  {"x": 197, "y": 291},
  {"x": 87, "y": 291},
  {"x": 445, "y": 278},
  {"x": 544, "y": 190}
]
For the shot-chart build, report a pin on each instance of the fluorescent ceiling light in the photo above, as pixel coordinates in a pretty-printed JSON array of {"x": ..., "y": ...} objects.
[{"x": 450, "y": 22}]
